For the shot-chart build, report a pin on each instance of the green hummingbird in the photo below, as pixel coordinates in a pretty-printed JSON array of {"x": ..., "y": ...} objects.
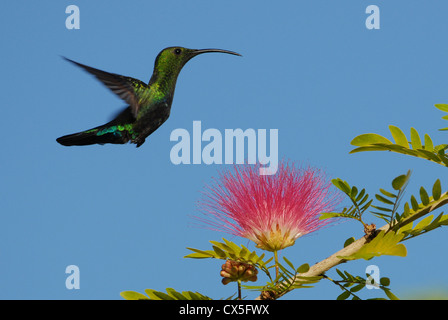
[{"x": 149, "y": 105}]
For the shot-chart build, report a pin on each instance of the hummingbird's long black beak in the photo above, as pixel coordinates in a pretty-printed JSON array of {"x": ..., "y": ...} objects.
[{"x": 199, "y": 51}]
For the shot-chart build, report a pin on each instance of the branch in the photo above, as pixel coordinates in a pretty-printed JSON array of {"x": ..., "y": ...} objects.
[{"x": 321, "y": 267}]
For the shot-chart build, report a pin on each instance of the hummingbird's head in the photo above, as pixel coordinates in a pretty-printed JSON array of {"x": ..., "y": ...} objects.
[{"x": 172, "y": 59}]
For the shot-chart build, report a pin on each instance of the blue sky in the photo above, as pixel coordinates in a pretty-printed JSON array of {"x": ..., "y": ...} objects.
[{"x": 310, "y": 69}]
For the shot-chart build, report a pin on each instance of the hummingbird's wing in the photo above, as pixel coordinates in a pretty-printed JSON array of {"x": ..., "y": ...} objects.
[{"x": 126, "y": 88}]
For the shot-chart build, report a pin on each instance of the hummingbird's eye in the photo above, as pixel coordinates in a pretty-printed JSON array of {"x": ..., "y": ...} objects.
[{"x": 178, "y": 51}]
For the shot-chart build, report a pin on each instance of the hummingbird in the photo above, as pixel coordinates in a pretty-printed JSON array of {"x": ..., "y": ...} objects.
[{"x": 149, "y": 105}]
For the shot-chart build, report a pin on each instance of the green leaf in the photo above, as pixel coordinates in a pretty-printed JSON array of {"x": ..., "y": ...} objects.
[
  {"x": 363, "y": 200},
  {"x": 375, "y": 142},
  {"x": 400, "y": 181},
  {"x": 157, "y": 295},
  {"x": 232, "y": 245},
  {"x": 251, "y": 256},
  {"x": 289, "y": 263},
  {"x": 415, "y": 139},
  {"x": 176, "y": 295},
  {"x": 406, "y": 210},
  {"x": 382, "y": 244},
  {"x": 360, "y": 195},
  {"x": 399, "y": 136},
  {"x": 219, "y": 252},
  {"x": 437, "y": 190},
  {"x": 343, "y": 296},
  {"x": 376, "y": 147},
  {"x": 200, "y": 254},
  {"x": 311, "y": 279},
  {"x": 244, "y": 252},
  {"x": 353, "y": 192},
  {"x": 368, "y": 139},
  {"x": 285, "y": 272},
  {"x": 132, "y": 295},
  {"x": 385, "y": 217},
  {"x": 349, "y": 276},
  {"x": 384, "y": 200},
  {"x": 384, "y": 281},
  {"x": 414, "y": 203},
  {"x": 328, "y": 215},
  {"x": 388, "y": 194},
  {"x": 349, "y": 241},
  {"x": 441, "y": 220},
  {"x": 383, "y": 209},
  {"x": 303, "y": 268},
  {"x": 443, "y": 107},
  {"x": 172, "y": 295},
  {"x": 424, "y": 196},
  {"x": 428, "y": 143},
  {"x": 406, "y": 227},
  {"x": 423, "y": 223},
  {"x": 197, "y": 256},
  {"x": 444, "y": 159},
  {"x": 341, "y": 185},
  {"x": 390, "y": 295},
  {"x": 341, "y": 274},
  {"x": 223, "y": 246},
  {"x": 194, "y": 296},
  {"x": 357, "y": 287},
  {"x": 441, "y": 148},
  {"x": 428, "y": 155},
  {"x": 418, "y": 211},
  {"x": 260, "y": 259}
]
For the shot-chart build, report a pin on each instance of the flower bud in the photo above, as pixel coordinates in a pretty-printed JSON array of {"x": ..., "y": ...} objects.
[{"x": 238, "y": 271}]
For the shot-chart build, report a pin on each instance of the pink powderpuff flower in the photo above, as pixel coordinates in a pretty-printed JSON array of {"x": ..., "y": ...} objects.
[{"x": 271, "y": 210}]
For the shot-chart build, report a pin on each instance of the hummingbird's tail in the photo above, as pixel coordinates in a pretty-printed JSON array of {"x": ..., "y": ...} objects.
[
  {"x": 100, "y": 135},
  {"x": 112, "y": 132}
]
